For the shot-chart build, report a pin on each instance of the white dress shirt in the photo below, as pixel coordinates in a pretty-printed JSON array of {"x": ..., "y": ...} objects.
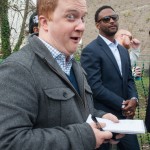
[{"x": 114, "y": 50}]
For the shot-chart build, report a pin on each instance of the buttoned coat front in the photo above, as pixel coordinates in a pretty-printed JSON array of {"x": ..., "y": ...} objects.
[{"x": 39, "y": 107}]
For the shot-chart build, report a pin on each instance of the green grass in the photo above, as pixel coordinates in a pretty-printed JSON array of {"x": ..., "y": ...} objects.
[{"x": 142, "y": 89}]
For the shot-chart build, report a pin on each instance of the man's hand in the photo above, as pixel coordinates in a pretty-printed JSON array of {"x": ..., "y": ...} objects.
[
  {"x": 130, "y": 107},
  {"x": 135, "y": 44},
  {"x": 117, "y": 137},
  {"x": 105, "y": 136},
  {"x": 137, "y": 71},
  {"x": 111, "y": 117},
  {"x": 100, "y": 136},
  {"x": 114, "y": 119}
]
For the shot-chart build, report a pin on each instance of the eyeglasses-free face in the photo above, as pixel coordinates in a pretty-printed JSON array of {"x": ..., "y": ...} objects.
[{"x": 106, "y": 19}]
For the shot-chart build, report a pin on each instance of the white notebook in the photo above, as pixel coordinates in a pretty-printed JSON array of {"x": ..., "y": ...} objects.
[{"x": 125, "y": 126}]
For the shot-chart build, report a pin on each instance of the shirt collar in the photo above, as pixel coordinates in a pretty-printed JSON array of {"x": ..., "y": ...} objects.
[
  {"x": 64, "y": 62},
  {"x": 55, "y": 53},
  {"x": 108, "y": 42}
]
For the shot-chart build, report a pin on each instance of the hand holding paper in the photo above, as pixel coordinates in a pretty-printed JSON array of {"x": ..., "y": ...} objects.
[{"x": 125, "y": 126}]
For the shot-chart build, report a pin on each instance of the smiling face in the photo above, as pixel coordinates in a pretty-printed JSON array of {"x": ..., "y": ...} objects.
[
  {"x": 107, "y": 29},
  {"x": 66, "y": 25}
]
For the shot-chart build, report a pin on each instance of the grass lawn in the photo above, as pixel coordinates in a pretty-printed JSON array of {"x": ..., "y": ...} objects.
[{"x": 142, "y": 89}]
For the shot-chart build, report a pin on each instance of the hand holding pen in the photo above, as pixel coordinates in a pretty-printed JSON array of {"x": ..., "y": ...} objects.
[
  {"x": 98, "y": 125},
  {"x": 104, "y": 136},
  {"x": 101, "y": 129},
  {"x": 100, "y": 136}
]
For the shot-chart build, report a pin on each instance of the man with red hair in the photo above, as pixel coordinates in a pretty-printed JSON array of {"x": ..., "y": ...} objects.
[{"x": 45, "y": 98}]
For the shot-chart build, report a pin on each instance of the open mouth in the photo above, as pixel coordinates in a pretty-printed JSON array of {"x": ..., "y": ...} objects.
[{"x": 76, "y": 39}]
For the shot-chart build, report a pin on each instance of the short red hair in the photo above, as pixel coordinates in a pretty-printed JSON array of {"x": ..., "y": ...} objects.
[{"x": 46, "y": 7}]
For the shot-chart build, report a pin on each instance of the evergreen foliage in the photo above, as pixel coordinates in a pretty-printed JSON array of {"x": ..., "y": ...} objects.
[{"x": 5, "y": 30}]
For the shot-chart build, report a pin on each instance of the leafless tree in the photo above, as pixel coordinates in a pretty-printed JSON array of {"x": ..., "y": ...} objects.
[{"x": 18, "y": 14}]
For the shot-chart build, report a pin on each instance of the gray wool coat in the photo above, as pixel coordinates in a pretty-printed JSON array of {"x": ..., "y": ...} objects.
[{"x": 39, "y": 107}]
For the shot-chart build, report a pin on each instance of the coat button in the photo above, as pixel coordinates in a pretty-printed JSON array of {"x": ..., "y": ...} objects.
[{"x": 65, "y": 94}]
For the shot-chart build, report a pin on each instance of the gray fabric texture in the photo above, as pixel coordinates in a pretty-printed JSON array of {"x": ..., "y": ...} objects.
[{"x": 39, "y": 107}]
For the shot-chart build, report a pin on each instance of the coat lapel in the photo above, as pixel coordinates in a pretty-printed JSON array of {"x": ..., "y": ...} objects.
[
  {"x": 79, "y": 79},
  {"x": 108, "y": 52},
  {"x": 122, "y": 57},
  {"x": 41, "y": 50},
  {"x": 123, "y": 60}
]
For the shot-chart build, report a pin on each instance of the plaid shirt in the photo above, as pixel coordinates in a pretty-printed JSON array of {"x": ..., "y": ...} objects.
[{"x": 60, "y": 58}]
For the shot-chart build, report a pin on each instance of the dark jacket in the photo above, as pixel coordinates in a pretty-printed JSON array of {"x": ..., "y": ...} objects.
[
  {"x": 109, "y": 87},
  {"x": 39, "y": 107},
  {"x": 147, "y": 117}
]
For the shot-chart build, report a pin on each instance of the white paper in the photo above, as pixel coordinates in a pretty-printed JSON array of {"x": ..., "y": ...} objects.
[{"x": 125, "y": 126}]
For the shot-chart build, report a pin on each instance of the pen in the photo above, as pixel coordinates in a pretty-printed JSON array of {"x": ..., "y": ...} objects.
[
  {"x": 97, "y": 123},
  {"x": 101, "y": 129}
]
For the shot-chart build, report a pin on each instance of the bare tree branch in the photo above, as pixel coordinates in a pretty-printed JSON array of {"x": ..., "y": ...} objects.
[{"x": 21, "y": 35}]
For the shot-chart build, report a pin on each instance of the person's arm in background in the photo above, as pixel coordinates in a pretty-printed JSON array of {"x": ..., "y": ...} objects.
[
  {"x": 134, "y": 55},
  {"x": 131, "y": 103},
  {"x": 134, "y": 51}
]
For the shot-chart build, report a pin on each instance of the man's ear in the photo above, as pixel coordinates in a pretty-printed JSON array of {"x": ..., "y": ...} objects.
[
  {"x": 43, "y": 21},
  {"x": 97, "y": 25}
]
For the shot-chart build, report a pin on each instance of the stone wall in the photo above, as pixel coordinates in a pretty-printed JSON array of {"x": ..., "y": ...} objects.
[{"x": 134, "y": 16}]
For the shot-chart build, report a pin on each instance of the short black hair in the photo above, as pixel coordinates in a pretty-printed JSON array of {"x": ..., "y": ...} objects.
[
  {"x": 33, "y": 22},
  {"x": 99, "y": 10}
]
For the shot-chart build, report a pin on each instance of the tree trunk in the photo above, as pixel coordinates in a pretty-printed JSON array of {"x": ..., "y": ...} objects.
[
  {"x": 21, "y": 35},
  {"x": 5, "y": 29}
]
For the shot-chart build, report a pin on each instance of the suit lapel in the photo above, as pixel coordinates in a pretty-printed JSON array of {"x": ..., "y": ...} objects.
[
  {"x": 122, "y": 57},
  {"x": 109, "y": 53}
]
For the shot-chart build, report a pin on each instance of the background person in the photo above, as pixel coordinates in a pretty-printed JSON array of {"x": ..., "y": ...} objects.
[
  {"x": 147, "y": 117},
  {"x": 45, "y": 96},
  {"x": 125, "y": 39},
  {"x": 33, "y": 23},
  {"x": 109, "y": 74},
  {"x": 33, "y": 27}
]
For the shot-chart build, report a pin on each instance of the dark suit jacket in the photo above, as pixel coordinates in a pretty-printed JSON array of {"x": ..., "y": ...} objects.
[
  {"x": 147, "y": 118},
  {"x": 109, "y": 87}
]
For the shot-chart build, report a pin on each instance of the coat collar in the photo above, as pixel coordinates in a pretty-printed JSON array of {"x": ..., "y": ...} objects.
[{"x": 41, "y": 50}]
